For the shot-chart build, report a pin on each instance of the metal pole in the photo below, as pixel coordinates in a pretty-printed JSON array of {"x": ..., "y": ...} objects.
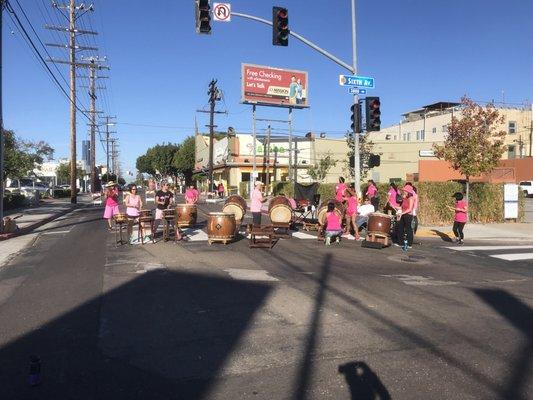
[
  {"x": 212, "y": 95},
  {"x": 531, "y": 130},
  {"x": 254, "y": 164},
  {"x": 1, "y": 128},
  {"x": 92, "y": 95},
  {"x": 266, "y": 152},
  {"x": 107, "y": 143},
  {"x": 356, "y": 155},
  {"x": 72, "y": 44},
  {"x": 290, "y": 144}
]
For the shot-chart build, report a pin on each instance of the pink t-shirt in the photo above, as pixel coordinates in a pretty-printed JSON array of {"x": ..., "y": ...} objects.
[
  {"x": 292, "y": 202},
  {"x": 460, "y": 216},
  {"x": 112, "y": 199},
  {"x": 391, "y": 196},
  {"x": 352, "y": 205},
  {"x": 339, "y": 191},
  {"x": 371, "y": 191},
  {"x": 189, "y": 196},
  {"x": 257, "y": 201},
  {"x": 334, "y": 223}
]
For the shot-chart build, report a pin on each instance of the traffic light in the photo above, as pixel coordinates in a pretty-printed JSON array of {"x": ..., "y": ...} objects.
[
  {"x": 373, "y": 114},
  {"x": 280, "y": 26},
  {"x": 356, "y": 118},
  {"x": 374, "y": 160},
  {"x": 203, "y": 17}
]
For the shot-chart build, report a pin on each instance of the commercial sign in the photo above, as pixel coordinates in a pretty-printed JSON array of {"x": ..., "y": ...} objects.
[
  {"x": 274, "y": 86},
  {"x": 354, "y": 80},
  {"x": 426, "y": 153}
]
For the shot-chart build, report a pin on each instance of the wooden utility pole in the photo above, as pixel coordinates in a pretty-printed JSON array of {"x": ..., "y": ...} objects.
[
  {"x": 266, "y": 152},
  {"x": 74, "y": 13}
]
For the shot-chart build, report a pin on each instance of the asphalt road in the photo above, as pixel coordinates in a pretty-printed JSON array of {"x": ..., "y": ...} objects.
[
  {"x": 300, "y": 321},
  {"x": 529, "y": 210}
]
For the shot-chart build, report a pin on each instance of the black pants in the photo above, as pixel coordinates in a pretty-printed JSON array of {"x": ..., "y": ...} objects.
[
  {"x": 458, "y": 229},
  {"x": 256, "y": 218},
  {"x": 375, "y": 202},
  {"x": 405, "y": 229}
]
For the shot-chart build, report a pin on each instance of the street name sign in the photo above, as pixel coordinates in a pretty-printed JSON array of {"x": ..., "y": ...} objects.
[
  {"x": 354, "y": 80},
  {"x": 222, "y": 12},
  {"x": 354, "y": 90}
]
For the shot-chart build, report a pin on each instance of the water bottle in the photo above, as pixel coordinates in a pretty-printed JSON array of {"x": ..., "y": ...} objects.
[
  {"x": 35, "y": 371},
  {"x": 404, "y": 247}
]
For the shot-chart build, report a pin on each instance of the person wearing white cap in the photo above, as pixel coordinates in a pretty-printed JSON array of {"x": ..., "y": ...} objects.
[
  {"x": 257, "y": 202},
  {"x": 111, "y": 202}
]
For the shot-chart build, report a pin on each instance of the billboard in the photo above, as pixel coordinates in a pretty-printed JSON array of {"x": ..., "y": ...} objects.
[{"x": 274, "y": 86}]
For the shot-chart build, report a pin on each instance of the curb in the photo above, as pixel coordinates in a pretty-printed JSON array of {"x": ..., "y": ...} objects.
[{"x": 35, "y": 225}]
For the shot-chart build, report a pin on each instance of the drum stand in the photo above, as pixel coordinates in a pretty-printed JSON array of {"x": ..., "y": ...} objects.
[
  {"x": 281, "y": 229},
  {"x": 169, "y": 226},
  {"x": 119, "y": 227},
  {"x": 142, "y": 228},
  {"x": 266, "y": 243}
]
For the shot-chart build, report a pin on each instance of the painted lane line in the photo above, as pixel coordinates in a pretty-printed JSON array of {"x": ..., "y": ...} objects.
[
  {"x": 513, "y": 257},
  {"x": 56, "y": 232},
  {"x": 302, "y": 235},
  {"x": 471, "y": 248}
]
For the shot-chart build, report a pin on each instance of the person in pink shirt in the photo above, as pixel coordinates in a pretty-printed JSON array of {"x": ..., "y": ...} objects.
[
  {"x": 111, "y": 203},
  {"x": 393, "y": 195},
  {"x": 372, "y": 193},
  {"x": 339, "y": 190},
  {"x": 415, "y": 206},
  {"x": 460, "y": 218},
  {"x": 257, "y": 201},
  {"x": 191, "y": 195},
  {"x": 351, "y": 213},
  {"x": 332, "y": 225}
]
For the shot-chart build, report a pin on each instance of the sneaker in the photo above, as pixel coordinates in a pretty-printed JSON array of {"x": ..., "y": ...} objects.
[
  {"x": 460, "y": 241},
  {"x": 409, "y": 247},
  {"x": 327, "y": 241},
  {"x": 338, "y": 240}
]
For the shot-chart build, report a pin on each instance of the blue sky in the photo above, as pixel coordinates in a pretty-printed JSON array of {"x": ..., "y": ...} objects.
[{"x": 418, "y": 51}]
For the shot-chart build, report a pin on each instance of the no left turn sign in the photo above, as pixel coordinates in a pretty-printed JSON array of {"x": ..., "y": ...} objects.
[{"x": 222, "y": 12}]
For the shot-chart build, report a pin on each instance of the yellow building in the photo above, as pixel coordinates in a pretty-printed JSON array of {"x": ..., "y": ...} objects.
[{"x": 402, "y": 145}]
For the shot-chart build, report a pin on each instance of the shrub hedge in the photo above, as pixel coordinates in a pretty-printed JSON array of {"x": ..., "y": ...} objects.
[
  {"x": 14, "y": 200},
  {"x": 486, "y": 200}
]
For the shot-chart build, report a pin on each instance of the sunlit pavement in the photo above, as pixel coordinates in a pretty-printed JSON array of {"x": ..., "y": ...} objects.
[{"x": 299, "y": 321}]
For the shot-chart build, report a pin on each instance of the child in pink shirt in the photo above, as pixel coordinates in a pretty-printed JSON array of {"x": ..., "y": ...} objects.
[
  {"x": 460, "y": 218},
  {"x": 332, "y": 225},
  {"x": 351, "y": 213}
]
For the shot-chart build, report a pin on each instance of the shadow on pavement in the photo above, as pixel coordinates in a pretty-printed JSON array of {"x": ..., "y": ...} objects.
[
  {"x": 519, "y": 316},
  {"x": 442, "y": 235},
  {"x": 161, "y": 335},
  {"x": 363, "y": 383}
]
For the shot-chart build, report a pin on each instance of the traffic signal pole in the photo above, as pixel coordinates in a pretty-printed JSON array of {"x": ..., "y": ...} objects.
[
  {"x": 1, "y": 129},
  {"x": 356, "y": 155}
]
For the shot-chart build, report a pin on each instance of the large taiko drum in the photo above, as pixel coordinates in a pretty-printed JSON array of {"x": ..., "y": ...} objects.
[
  {"x": 186, "y": 215},
  {"x": 235, "y": 205},
  {"x": 323, "y": 209},
  {"x": 379, "y": 223},
  {"x": 220, "y": 227},
  {"x": 280, "y": 214},
  {"x": 278, "y": 200}
]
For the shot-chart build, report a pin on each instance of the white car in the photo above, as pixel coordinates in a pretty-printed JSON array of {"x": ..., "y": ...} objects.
[{"x": 527, "y": 188}]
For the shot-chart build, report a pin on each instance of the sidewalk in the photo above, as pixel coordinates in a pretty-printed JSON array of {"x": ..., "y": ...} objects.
[
  {"x": 49, "y": 209},
  {"x": 500, "y": 231}
]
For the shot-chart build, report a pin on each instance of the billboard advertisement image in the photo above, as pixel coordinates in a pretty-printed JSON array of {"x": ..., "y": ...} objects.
[{"x": 274, "y": 86}]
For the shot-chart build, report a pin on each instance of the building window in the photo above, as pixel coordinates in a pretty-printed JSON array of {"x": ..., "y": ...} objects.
[
  {"x": 404, "y": 137},
  {"x": 408, "y": 136},
  {"x": 395, "y": 137},
  {"x": 434, "y": 130},
  {"x": 512, "y": 127},
  {"x": 417, "y": 135},
  {"x": 422, "y": 134},
  {"x": 445, "y": 128},
  {"x": 511, "y": 152}
]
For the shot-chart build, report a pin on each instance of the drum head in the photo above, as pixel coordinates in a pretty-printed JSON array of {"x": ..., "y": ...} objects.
[
  {"x": 281, "y": 213},
  {"x": 235, "y": 209}
]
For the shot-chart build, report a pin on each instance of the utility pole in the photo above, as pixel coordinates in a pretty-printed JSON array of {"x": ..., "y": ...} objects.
[
  {"x": 266, "y": 152},
  {"x": 74, "y": 13},
  {"x": 107, "y": 140},
  {"x": 356, "y": 155},
  {"x": 1, "y": 126},
  {"x": 530, "y": 128}
]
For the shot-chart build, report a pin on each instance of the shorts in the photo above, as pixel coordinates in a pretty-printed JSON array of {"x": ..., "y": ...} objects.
[
  {"x": 111, "y": 211},
  {"x": 351, "y": 214},
  {"x": 158, "y": 213},
  {"x": 333, "y": 233}
]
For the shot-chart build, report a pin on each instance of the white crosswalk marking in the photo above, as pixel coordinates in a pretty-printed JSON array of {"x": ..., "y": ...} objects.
[
  {"x": 508, "y": 253},
  {"x": 302, "y": 235},
  {"x": 514, "y": 256}
]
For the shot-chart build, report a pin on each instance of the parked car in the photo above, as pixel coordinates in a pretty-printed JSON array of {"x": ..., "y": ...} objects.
[
  {"x": 28, "y": 185},
  {"x": 527, "y": 188}
]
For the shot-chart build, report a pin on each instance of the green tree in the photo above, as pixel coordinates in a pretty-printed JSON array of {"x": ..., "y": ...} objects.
[
  {"x": 63, "y": 173},
  {"x": 184, "y": 158},
  {"x": 109, "y": 177},
  {"x": 473, "y": 145},
  {"x": 318, "y": 172},
  {"x": 121, "y": 181},
  {"x": 365, "y": 150},
  {"x": 21, "y": 157},
  {"x": 162, "y": 158},
  {"x": 144, "y": 165}
]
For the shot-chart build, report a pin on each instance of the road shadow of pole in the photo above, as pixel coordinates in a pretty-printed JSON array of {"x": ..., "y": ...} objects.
[
  {"x": 519, "y": 316},
  {"x": 364, "y": 384},
  {"x": 305, "y": 368},
  {"x": 161, "y": 335}
]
